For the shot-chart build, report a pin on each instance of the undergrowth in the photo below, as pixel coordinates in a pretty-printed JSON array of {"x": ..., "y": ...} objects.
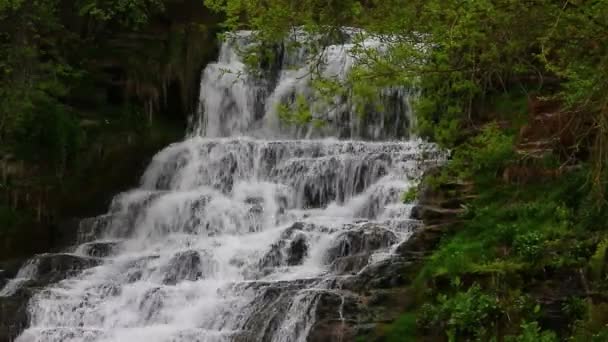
[{"x": 516, "y": 245}]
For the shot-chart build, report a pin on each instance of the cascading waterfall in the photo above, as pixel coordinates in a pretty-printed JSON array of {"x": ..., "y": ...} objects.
[{"x": 235, "y": 233}]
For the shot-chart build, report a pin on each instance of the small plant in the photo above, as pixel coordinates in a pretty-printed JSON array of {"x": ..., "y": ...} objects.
[
  {"x": 530, "y": 332},
  {"x": 575, "y": 308},
  {"x": 466, "y": 314},
  {"x": 598, "y": 260},
  {"x": 484, "y": 155},
  {"x": 529, "y": 245},
  {"x": 410, "y": 195}
]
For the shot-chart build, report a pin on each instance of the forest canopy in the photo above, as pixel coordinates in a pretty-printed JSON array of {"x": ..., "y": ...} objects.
[{"x": 477, "y": 52}]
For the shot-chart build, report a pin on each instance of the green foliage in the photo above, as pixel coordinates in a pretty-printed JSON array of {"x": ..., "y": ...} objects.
[
  {"x": 130, "y": 13},
  {"x": 575, "y": 308},
  {"x": 598, "y": 261},
  {"x": 593, "y": 326},
  {"x": 531, "y": 332},
  {"x": 404, "y": 329},
  {"x": 410, "y": 195},
  {"x": 522, "y": 221},
  {"x": 529, "y": 246},
  {"x": 484, "y": 155},
  {"x": 40, "y": 70},
  {"x": 473, "y": 62},
  {"x": 472, "y": 314},
  {"x": 299, "y": 113}
]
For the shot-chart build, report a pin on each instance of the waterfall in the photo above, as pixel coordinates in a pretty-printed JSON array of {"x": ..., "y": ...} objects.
[{"x": 239, "y": 231}]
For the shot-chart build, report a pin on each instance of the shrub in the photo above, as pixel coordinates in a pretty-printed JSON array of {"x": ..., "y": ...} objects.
[
  {"x": 529, "y": 245},
  {"x": 530, "y": 332},
  {"x": 466, "y": 314},
  {"x": 485, "y": 154},
  {"x": 410, "y": 195}
]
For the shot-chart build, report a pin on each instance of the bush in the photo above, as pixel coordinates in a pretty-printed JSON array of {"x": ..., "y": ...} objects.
[
  {"x": 410, "y": 195},
  {"x": 598, "y": 260},
  {"x": 466, "y": 314},
  {"x": 484, "y": 155},
  {"x": 529, "y": 245},
  {"x": 530, "y": 332}
]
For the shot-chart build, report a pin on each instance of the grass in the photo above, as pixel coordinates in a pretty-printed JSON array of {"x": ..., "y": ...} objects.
[{"x": 513, "y": 237}]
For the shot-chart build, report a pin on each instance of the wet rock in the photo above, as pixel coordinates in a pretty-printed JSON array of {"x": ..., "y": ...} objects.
[
  {"x": 364, "y": 240},
  {"x": 434, "y": 214},
  {"x": 189, "y": 265},
  {"x": 335, "y": 315},
  {"x": 332, "y": 178},
  {"x": 290, "y": 250},
  {"x": 13, "y": 314},
  {"x": 10, "y": 268},
  {"x": 3, "y": 278},
  {"x": 133, "y": 270},
  {"x": 93, "y": 227},
  {"x": 270, "y": 308},
  {"x": 52, "y": 268},
  {"x": 297, "y": 250},
  {"x": 100, "y": 249},
  {"x": 270, "y": 311},
  {"x": 387, "y": 273},
  {"x": 123, "y": 215},
  {"x": 352, "y": 249},
  {"x": 350, "y": 264},
  {"x": 151, "y": 304},
  {"x": 424, "y": 240}
]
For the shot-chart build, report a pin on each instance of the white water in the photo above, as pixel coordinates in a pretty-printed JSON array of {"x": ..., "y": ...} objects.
[{"x": 230, "y": 238}]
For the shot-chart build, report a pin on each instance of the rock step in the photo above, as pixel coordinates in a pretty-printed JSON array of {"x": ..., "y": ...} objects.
[
  {"x": 430, "y": 214},
  {"x": 98, "y": 249}
]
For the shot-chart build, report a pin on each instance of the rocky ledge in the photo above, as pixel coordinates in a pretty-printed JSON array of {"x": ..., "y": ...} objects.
[
  {"x": 42, "y": 270},
  {"x": 376, "y": 295}
]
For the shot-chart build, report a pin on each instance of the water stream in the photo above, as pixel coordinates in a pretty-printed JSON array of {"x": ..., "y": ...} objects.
[{"x": 236, "y": 232}]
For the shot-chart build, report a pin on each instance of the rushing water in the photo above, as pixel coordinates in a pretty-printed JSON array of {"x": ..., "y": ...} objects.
[{"x": 234, "y": 232}]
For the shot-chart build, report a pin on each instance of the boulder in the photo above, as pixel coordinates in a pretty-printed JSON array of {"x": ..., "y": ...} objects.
[
  {"x": 353, "y": 248},
  {"x": 189, "y": 265},
  {"x": 99, "y": 249},
  {"x": 52, "y": 268},
  {"x": 13, "y": 314}
]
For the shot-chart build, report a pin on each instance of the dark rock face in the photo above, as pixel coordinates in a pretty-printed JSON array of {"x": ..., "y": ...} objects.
[
  {"x": 50, "y": 268},
  {"x": 384, "y": 274},
  {"x": 336, "y": 312},
  {"x": 13, "y": 311},
  {"x": 9, "y": 269},
  {"x": 55, "y": 267},
  {"x": 423, "y": 241},
  {"x": 189, "y": 265},
  {"x": 100, "y": 249},
  {"x": 290, "y": 250},
  {"x": 380, "y": 292},
  {"x": 321, "y": 181},
  {"x": 353, "y": 248},
  {"x": 274, "y": 301},
  {"x": 433, "y": 214},
  {"x": 297, "y": 251}
]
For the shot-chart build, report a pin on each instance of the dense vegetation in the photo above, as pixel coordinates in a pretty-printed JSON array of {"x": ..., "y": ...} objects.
[
  {"x": 88, "y": 91},
  {"x": 517, "y": 91}
]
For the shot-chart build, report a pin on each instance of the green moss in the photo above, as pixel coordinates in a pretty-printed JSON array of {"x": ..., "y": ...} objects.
[
  {"x": 404, "y": 329},
  {"x": 597, "y": 263},
  {"x": 410, "y": 195}
]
